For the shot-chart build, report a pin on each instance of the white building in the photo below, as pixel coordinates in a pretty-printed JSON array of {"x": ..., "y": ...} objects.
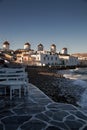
[
  {"x": 46, "y": 58},
  {"x": 68, "y": 60},
  {"x": 82, "y": 60},
  {"x": 82, "y": 57}
]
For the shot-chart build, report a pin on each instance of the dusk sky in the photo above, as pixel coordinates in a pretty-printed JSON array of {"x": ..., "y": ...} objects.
[{"x": 59, "y": 22}]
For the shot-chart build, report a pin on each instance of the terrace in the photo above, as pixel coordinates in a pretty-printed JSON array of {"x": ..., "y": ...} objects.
[{"x": 36, "y": 111}]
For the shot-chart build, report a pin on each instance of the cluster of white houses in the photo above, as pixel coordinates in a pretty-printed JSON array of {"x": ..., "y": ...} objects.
[{"x": 40, "y": 57}]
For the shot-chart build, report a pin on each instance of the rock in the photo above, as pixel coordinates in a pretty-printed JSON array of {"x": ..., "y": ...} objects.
[{"x": 54, "y": 85}]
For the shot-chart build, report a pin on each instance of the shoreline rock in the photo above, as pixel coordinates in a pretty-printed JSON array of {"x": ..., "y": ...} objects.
[{"x": 54, "y": 85}]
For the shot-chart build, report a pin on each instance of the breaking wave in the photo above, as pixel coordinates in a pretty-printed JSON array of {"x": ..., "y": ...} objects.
[{"x": 78, "y": 77}]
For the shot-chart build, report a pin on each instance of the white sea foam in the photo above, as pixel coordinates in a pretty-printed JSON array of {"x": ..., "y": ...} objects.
[
  {"x": 72, "y": 76},
  {"x": 79, "y": 77}
]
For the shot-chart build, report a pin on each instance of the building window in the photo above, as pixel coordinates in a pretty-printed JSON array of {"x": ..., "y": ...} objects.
[
  {"x": 55, "y": 58},
  {"x": 44, "y": 58},
  {"x": 48, "y": 58},
  {"x": 51, "y": 58}
]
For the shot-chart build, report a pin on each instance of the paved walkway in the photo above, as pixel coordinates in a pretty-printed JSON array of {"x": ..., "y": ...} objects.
[{"x": 39, "y": 112}]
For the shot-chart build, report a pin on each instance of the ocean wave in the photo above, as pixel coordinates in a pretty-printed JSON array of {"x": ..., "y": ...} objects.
[
  {"x": 80, "y": 82},
  {"x": 79, "y": 79},
  {"x": 82, "y": 71},
  {"x": 83, "y": 100},
  {"x": 71, "y": 76}
]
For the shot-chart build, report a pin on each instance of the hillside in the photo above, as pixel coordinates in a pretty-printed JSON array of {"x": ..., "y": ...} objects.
[{"x": 80, "y": 54}]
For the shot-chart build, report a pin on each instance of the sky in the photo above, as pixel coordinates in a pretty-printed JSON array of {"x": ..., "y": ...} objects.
[{"x": 59, "y": 22}]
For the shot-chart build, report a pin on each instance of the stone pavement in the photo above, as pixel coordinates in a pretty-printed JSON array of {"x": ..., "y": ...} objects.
[{"x": 37, "y": 111}]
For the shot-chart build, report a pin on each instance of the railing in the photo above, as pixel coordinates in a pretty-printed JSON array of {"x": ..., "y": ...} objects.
[{"x": 14, "y": 78}]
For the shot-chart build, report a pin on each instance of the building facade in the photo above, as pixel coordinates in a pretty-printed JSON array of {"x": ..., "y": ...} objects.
[
  {"x": 46, "y": 59},
  {"x": 68, "y": 60}
]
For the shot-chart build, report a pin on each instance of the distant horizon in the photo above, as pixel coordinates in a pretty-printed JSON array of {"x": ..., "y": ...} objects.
[{"x": 59, "y": 22}]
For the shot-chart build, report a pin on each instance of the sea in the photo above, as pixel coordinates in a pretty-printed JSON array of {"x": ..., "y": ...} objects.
[{"x": 79, "y": 77}]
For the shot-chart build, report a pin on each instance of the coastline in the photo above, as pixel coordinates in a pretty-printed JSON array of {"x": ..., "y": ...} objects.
[{"x": 54, "y": 85}]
